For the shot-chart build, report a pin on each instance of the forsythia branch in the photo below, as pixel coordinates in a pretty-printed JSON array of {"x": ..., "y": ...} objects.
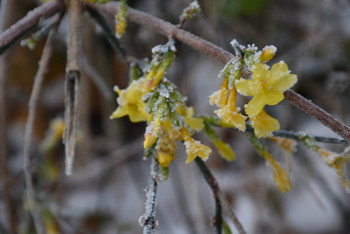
[{"x": 220, "y": 54}]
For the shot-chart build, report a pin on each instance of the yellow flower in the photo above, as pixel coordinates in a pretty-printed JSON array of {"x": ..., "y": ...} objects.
[
  {"x": 335, "y": 161},
  {"x": 224, "y": 150},
  {"x": 230, "y": 114},
  {"x": 220, "y": 97},
  {"x": 266, "y": 87},
  {"x": 280, "y": 175},
  {"x": 264, "y": 124},
  {"x": 166, "y": 149},
  {"x": 131, "y": 103},
  {"x": 267, "y": 53},
  {"x": 152, "y": 132},
  {"x": 188, "y": 113},
  {"x": 194, "y": 148}
]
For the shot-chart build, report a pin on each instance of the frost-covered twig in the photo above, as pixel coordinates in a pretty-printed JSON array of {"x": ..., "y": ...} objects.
[
  {"x": 148, "y": 220},
  {"x": 220, "y": 54},
  {"x": 43, "y": 64},
  {"x": 72, "y": 84},
  {"x": 19, "y": 29}
]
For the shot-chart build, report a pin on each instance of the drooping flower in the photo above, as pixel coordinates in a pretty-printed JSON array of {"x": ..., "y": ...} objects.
[
  {"x": 280, "y": 175},
  {"x": 229, "y": 112},
  {"x": 131, "y": 103},
  {"x": 335, "y": 161},
  {"x": 266, "y": 87},
  {"x": 166, "y": 149},
  {"x": 194, "y": 148}
]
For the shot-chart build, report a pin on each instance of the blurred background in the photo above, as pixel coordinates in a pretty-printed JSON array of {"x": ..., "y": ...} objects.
[{"x": 106, "y": 193}]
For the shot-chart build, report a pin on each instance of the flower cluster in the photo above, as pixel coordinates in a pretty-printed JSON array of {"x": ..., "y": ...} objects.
[
  {"x": 154, "y": 99},
  {"x": 248, "y": 75}
]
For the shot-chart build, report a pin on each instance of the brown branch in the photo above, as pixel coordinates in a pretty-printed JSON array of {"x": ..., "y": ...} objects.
[
  {"x": 6, "y": 8},
  {"x": 39, "y": 78},
  {"x": 72, "y": 83},
  {"x": 19, "y": 29},
  {"x": 220, "y": 54}
]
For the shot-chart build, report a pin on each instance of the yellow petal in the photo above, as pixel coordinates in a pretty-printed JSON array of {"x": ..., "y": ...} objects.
[
  {"x": 248, "y": 87},
  {"x": 224, "y": 150},
  {"x": 287, "y": 82},
  {"x": 194, "y": 149},
  {"x": 273, "y": 97},
  {"x": 256, "y": 105},
  {"x": 264, "y": 124},
  {"x": 280, "y": 175}
]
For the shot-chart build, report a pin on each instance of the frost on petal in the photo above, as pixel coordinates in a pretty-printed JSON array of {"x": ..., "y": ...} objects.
[
  {"x": 224, "y": 150},
  {"x": 248, "y": 87},
  {"x": 194, "y": 149},
  {"x": 264, "y": 124},
  {"x": 267, "y": 53}
]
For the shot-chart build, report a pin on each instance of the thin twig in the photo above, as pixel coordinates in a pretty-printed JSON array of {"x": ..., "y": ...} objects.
[
  {"x": 23, "y": 26},
  {"x": 148, "y": 220},
  {"x": 219, "y": 197},
  {"x": 229, "y": 211},
  {"x": 109, "y": 33},
  {"x": 72, "y": 84},
  {"x": 220, "y": 54},
  {"x": 215, "y": 188},
  {"x": 39, "y": 78},
  {"x": 96, "y": 78},
  {"x": 5, "y": 11},
  {"x": 296, "y": 136}
]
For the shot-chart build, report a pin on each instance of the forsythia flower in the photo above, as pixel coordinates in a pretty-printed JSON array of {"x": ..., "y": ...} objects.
[
  {"x": 335, "y": 161},
  {"x": 131, "y": 103},
  {"x": 280, "y": 175},
  {"x": 266, "y": 87},
  {"x": 230, "y": 114},
  {"x": 264, "y": 124},
  {"x": 194, "y": 148},
  {"x": 166, "y": 149}
]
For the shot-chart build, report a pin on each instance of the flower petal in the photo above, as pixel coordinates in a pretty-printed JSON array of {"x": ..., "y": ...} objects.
[
  {"x": 273, "y": 97},
  {"x": 248, "y": 87},
  {"x": 256, "y": 105},
  {"x": 264, "y": 124}
]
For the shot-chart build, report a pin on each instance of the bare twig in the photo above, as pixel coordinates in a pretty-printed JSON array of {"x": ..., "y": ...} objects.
[
  {"x": 72, "y": 84},
  {"x": 148, "y": 220},
  {"x": 96, "y": 78},
  {"x": 109, "y": 33},
  {"x": 219, "y": 197},
  {"x": 229, "y": 211},
  {"x": 220, "y": 54},
  {"x": 215, "y": 188},
  {"x": 19, "y": 29},
  {"x": 39, "y": 78},
  {"x": 5, "y": 11}
]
